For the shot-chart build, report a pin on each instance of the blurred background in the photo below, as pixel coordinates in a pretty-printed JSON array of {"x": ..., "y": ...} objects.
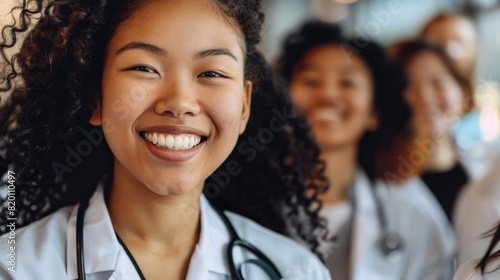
[{"x": 389, "y": 21}]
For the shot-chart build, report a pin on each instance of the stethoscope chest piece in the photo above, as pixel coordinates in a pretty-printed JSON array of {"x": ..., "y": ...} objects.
[{"x": 391, "y": 245}]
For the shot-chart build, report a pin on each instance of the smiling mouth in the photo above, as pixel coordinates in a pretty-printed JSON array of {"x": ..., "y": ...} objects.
[
  {"x": 173, "y": 141},
  {"x": 327, "y": 115}
]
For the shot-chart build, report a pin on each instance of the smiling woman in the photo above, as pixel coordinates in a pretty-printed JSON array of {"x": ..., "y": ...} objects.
[{"x": 172, "y": 87}]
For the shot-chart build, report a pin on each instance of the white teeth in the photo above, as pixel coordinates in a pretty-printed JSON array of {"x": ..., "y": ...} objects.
[
  {"x": 327, "y": 114},
  {"x": 177, "y": 142},
  {"x": 169, "y": 141},
  {"x": 173, "y": 142},
  {"x": 185, "y": 142},
  {"x": 161, "y": 140}
]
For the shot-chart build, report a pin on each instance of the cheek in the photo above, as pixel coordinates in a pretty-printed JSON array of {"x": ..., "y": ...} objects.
[
  {"x": 360, "y": 101},
  {"x": 299, "y": 97},
  {"x": 452, "y": 98},
  {"x": 226, "y": 109},
  {"x": 121, "y": 104}
]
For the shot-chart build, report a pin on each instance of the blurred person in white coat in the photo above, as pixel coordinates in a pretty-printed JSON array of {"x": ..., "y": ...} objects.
[
  {"x": 353, "y": 97},
  {"x": 439, "y": 96}
]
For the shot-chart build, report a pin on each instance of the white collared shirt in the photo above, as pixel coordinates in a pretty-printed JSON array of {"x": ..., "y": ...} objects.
[{"x": 46, "y": 249}]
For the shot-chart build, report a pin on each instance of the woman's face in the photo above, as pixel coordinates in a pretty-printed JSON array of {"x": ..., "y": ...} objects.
[
  {"x": 457, "y": 36},
  {"x": 436, "y": 98},
  {"x": 333, "y": 87},
  {"x": 174, "y": 98}
]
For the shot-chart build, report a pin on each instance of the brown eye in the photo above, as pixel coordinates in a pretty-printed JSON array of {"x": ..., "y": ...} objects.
[
  {"x": 348, "y": 83},
  {"x": 311, "y": 82},
  {"x": 211, "y": 74},
  {"x": 143, "y": 68}
]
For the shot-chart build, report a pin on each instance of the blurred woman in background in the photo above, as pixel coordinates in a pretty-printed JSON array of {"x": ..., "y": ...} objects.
[
  {"x": 439, "y": 96},
  {"x": 353, "y": 97},
  {"x": 456, "y": 34},
  {"x": 476, "y": 210}
]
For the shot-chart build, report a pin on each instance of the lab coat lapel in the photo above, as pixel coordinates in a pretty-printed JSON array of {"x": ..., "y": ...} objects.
[
  {"x": 366, "y": 227},
  {"x": 100, "y": 245},
  {"x": 197, "y": 267}
]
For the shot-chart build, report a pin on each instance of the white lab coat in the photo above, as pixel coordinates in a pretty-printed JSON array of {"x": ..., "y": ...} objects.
[
  {"x": 46, "y": 249},
  {"x": 426, "y": 255},
  {"x": 477, "y": 211},
  {"x": 417, "y": 193}
]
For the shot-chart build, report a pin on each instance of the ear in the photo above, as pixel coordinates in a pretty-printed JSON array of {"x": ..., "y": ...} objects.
[
  {"x": 247, "y": 101},
  {"x": 96, "y": 118},
  {"x": 373, "y": 121}
]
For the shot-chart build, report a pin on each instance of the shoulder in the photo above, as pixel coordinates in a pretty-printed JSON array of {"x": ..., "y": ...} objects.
[
  {"x": 415, "y": 198},
  {"x": 295, "y": 261},
  {"x": 421, "y": 216},
  {"x": 40, "y": 244},
  {"x": 468, "y": 271}
]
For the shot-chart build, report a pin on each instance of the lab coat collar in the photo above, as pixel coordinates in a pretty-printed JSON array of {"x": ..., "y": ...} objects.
[
  {"x": 102, "y": 249},
  {"x": 99, "y": 240},
  {"x": 209, "y": 254},
  {"x": 366, "y": 226}
]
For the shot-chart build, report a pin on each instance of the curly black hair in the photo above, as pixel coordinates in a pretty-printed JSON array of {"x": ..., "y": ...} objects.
[
  {"x": 48, "y": 89},
  {"x": 389, "y": 83}
]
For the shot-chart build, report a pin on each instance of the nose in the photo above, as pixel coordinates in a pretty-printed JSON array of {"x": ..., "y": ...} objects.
[
  {"x": 420, "y": 95},
  {"x": 178, "y": 98},
  {"x": 329, "y": 93}
]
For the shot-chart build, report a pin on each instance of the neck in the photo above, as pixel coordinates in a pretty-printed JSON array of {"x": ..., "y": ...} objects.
[
  {"x": 144, "y": 219},
  {"x": 341, "y": 165},
  {"x": 443, "y": 157}
]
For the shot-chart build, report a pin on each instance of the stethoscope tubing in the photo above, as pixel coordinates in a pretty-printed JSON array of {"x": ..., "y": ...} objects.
[{"x": 236, "y": 273}]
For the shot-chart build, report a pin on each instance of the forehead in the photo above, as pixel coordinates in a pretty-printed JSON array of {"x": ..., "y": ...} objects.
[
  {"x": 426, "y": 62},
  {"x": 180, "y": 22},
  {"x": 332, "y": 57},
  {"x": 453, "y": 27}
]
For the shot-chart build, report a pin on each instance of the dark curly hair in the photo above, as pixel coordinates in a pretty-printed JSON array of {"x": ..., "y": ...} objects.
[
  {"x": 49, "y": 87},
  {"x": 388, "y": 78}
]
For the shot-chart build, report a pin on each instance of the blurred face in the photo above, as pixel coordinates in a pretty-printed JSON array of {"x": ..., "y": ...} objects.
[
  {"x": 458, "y": 38},
  {"x": 435, "y": 96},
  {"x": 334, "y": 90},
  {"x": 174, "y": 98}
]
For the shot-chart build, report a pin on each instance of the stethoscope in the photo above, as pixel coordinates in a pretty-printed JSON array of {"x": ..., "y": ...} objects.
[
  {"x": 391, "y": 243},
  {"x": 262, "y": 261}
]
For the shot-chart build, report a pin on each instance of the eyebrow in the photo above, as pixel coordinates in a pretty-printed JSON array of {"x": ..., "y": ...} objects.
[
  {"x": 162, "y": 52},
  {"x": 142, "y": 46},
  {"x": 214, "y": 52},
  {"x": 309, "y": 67}
]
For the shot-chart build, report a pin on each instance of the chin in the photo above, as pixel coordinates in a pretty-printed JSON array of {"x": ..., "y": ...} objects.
[{"x": 169, "y": 189}]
